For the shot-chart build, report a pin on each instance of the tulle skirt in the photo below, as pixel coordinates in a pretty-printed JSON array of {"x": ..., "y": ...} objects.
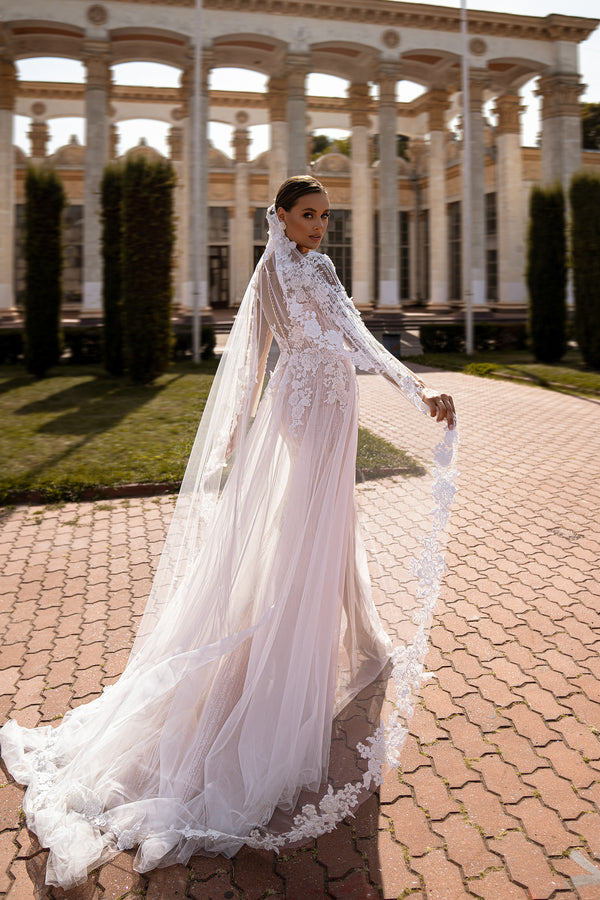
[{"x": 219, "y": 731}]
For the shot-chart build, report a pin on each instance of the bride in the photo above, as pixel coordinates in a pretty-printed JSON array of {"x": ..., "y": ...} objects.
[{"x": 260, "y": 626}]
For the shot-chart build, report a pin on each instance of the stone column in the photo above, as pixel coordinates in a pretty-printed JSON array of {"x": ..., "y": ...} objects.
[
  {"x": 180, "y": 143},
  {"x": 297, "y": 70},
  {"x": 388, "y": 189},
  {"x": 198, "y": 219},
  {"x": 278, "y": 155},
  {"x": 477, "y": 83},
  {"x": 176, "y": 145},
  {"x": 561, "y": 127},
  {"x": 438, "y": 219},
  {"x": 510, "y": 201},
  {"x": 96, "y": 58},
  {"x": 362, "y": 195},
  {"x": 8, "y": 93},
  {"x": 415, "y": 255},
  {"x": 240, "y": 263}
]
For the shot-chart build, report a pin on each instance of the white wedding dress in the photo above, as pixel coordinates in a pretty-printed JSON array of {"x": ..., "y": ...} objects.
[{"x": 260, "y": 626}]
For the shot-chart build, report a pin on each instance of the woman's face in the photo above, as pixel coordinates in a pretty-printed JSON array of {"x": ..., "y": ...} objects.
[{"x": 307, "y": 220}]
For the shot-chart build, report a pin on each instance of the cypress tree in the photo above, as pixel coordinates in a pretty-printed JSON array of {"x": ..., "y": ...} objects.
[
  {"x": 146, "y": 266},
  {"x": 44, "y": 204},
  {"x": 585, "y": 255},
  {"x": 112, "y": 189},
  {"x": 547, "y": 273}
]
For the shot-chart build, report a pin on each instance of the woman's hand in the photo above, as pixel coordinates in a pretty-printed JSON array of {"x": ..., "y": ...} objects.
[{"x": 442, "y": 406}]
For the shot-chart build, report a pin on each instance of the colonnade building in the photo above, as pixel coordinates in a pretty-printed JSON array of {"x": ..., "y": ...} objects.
[{"x": 396, "y": 234}]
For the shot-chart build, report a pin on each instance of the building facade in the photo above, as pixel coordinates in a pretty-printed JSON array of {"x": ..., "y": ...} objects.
[{"x": 396, "y": 234}]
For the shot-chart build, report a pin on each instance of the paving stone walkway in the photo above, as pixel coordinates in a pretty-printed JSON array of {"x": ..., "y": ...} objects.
[{"x": 498, "y": 794}]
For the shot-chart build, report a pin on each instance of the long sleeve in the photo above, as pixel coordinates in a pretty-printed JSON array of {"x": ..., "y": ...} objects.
[{"x": 311, "y": 305}]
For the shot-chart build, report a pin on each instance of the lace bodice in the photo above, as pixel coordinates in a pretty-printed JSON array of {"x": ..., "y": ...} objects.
[{"x": 308, "y": 310}]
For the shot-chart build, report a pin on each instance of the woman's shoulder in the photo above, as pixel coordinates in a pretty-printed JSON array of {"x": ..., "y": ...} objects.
[{"x": 321, "y": 260}]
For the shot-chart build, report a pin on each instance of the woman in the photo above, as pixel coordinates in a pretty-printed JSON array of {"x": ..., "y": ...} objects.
[{"x": 260, "y": 626}]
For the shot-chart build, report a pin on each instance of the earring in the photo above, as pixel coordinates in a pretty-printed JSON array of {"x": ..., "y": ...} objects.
[{"x": 282, "y": 225}]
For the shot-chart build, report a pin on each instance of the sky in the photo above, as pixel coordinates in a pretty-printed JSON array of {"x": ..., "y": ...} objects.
[{"x": 151, "y": 74}]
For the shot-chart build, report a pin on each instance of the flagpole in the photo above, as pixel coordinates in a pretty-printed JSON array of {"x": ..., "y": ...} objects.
[{"x": 467, "y": 216}]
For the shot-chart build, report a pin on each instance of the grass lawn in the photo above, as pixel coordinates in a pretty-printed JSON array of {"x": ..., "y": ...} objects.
[
  {"x": 80, "y": 428},
  {"x": 569, "y": 376}
]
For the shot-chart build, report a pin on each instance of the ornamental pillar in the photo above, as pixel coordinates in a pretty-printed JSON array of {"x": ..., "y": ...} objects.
[
  {"x": 389, "y": 252},
  {"x": 297, "y": 70},
  {"x": 510, "y": 201},
  {"x": 8, "y": 93},
  {"x": 38, "y": 135},
  {"x": 478, "y": 81},
  {"x": 180, "y": 152},
  {"x": 176, "y": 140},
  {"x": 437, "y": 106},
  {"x": 96, "y": 58},
  {"x": 240, "y": 260},
  {"x": 561, "y": 127},
  {"x": 198, "y": 216},
  {"x": 278, "y": 155},
  {"x": 359, "y": 102},
  {"x": 113, "y": 141}
]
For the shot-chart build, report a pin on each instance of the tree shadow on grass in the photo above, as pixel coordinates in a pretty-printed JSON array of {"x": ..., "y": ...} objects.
[
  {"x": 13, "y": 382},
  {"x": 92, "y": 407},
  {"x": 74, "y": 418},
  {"x": 525, "y": 376}
]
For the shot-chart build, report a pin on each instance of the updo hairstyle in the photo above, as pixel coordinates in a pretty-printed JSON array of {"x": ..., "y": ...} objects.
[{"x": 295, "y": 187}]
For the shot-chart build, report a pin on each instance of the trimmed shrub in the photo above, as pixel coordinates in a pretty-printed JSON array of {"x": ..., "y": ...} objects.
[
  {"x": 450, "y": 338},
  {"x": 547, "y": 273},
  {"x": 182, "y": 344},
  {"x": 44, "y": 204},
  {"x": 585, "y": 255},
  {"x": 11, "y": 346},
  {"x": 442, "y": 338},
  {"x": 146, "y": 267},
  {"x": 85, "y": 345},
  {"x": 112, "y": 190}
]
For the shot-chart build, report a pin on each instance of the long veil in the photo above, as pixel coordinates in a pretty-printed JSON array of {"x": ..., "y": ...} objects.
[{"x": 123, "y": 770}]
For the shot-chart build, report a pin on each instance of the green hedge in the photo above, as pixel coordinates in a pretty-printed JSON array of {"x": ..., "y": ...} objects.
[
  {"x": 450, "y": 338},
  {"x": 182, "y": 343},
  {"x": 44, "y": 203},
  {"x": 11, "y": 346},
  {"x": 585, "y": 253},
  {"x": 85, "y": 345},
  {"x": 547, "y": 273},
  {"x": 81, "y": 345},
  {"x": 148, "y": 234}
]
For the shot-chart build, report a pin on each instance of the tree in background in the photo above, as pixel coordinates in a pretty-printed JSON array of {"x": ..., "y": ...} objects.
[
  {"x": 112, "y": 190},
  {"x": 590, "y": 126},
  {"x": 547, "y": 273},
  {"x": 585, "y": 256},
  {"x": 322, "y": 144},
  {"x": 44, "y": 204},
  {"x": 146, "y": 265},
  {"x": 402, "y": 144}
]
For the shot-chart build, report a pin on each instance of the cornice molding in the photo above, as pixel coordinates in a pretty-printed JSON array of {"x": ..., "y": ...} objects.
[
  {"x": 53, "y": 90},
  {"x": 554, "y": 27}
]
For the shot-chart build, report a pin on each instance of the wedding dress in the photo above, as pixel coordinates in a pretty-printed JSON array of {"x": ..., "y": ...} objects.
[{"x": 260, "y": 626}]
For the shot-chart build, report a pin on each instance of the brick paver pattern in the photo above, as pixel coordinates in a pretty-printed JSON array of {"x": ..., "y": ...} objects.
[{"x": 498, "y": 794}]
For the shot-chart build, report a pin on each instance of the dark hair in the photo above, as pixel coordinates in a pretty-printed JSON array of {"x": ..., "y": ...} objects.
[{"x": 295, "y": 187}]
